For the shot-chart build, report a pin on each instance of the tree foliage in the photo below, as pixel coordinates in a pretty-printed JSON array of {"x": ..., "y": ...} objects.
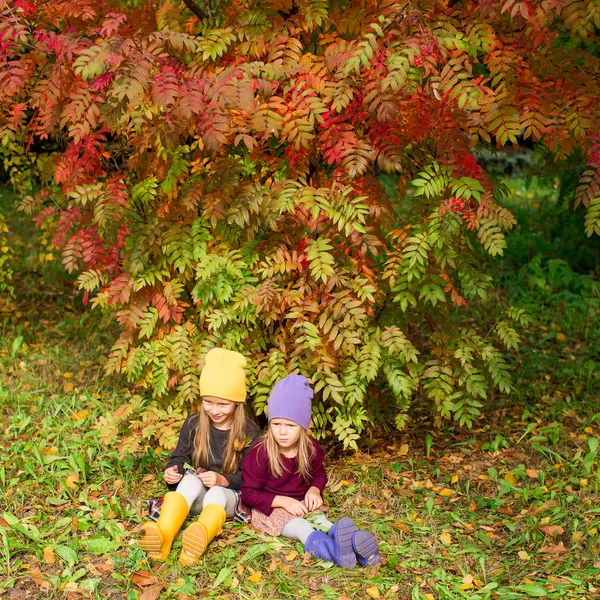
[{"x": 210, "y": 172}]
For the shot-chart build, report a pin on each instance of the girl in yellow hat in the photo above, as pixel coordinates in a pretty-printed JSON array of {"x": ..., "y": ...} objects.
[{"x": 214, "y": 440}]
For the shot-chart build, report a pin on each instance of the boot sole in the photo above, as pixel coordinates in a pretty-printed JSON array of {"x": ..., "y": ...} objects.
[
  {"x": 193, "y": 544},
  {"x": 151, "y": 539},
  {"x": 366, "y": 548},
  {"x": 343, "y": 542}
]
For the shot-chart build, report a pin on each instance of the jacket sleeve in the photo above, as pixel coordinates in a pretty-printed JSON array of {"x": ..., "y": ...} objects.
[
  {"x": 255, "y": 470},
  {"x": 183, "y": 451},
  {"x": 253, "y": 434},
  {"x": 319, "y": 475}
]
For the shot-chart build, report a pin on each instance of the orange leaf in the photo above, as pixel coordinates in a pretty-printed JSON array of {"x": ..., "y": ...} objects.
[
  {"x": 71, "y": 481},
  {"x": 552, "y": 530},
  {"x": 49, "y": 555},
  {"x": 446, "y": 538},
  {"x": 554, "y": 549},
  {"x": 255, "y": 577},
  {"x": 143, "y": 578},
  {"x": 152, "y": 592},
  {"x": 511, "y": 478},
  {"x": 533, "y": 473}
]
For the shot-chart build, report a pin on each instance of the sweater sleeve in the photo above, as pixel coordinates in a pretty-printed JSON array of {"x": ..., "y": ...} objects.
[
  {"x": 253, "y": 434},
  {"x": 255, "y": 469},
  {"x": 319, "y": 475},
  {"x": 183, "y": 451}
]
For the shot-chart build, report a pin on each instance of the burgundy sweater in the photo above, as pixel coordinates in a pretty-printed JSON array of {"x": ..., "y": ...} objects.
[{"x": 260, "y": 486}]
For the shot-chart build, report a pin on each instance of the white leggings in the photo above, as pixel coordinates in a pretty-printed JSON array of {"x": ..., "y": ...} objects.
[{"x": 198, "y": 495}]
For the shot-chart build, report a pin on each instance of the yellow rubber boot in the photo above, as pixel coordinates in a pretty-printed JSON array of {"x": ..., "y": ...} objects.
[
  {"x": 157, "y": 538},
  {"x": 200, "y": 533}
]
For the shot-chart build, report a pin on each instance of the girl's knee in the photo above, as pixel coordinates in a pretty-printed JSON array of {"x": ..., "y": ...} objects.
[{"x": 216, "y": 495}]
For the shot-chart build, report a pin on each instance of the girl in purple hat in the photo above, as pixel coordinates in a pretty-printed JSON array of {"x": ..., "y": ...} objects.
[{"x": 283, "y": 479}]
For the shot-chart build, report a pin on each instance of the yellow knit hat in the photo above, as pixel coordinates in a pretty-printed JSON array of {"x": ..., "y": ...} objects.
[{"x": 223, "y": 375}]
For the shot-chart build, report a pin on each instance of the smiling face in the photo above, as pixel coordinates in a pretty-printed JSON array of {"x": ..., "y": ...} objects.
[
  {"x": 285, "y": 432},
  {"x": 219, "y": 411}
]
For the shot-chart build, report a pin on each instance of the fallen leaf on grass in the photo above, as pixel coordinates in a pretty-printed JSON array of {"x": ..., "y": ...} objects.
[
  {"x": 446, "y": 538},
  {"x": 255, "y": 577},
  {"x": 468, "y": 578},
  {"x": 446, "y": 492},
  {"x": 523, "y": 555},
  {"x": 143, "y": 578},
  {"x": 554, "y": 549},
  {"x": 4, "y": 522},
  {"x": 153, "y": 592},
  {"x": 71, "y": 481},
  {"x": 276, "y": 562},
  {"x": 552, "y": 530},
  {"x": 533, "y": 473},
  {"x": 511, "y": 478},
  {"x": 79, "y": 416},
  {"x": 403, "y": 450},
  {"x": 49, "y": 555},
  {"x": 373, "y": 592}
]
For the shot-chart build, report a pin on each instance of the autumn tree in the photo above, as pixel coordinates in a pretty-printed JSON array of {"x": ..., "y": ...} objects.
[{"x": 211, "y": 170}]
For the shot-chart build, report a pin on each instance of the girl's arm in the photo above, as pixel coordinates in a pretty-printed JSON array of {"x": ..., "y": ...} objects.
[
  {"x": 319, "y": 475},
  {"x": 255, "y": 470},
  {"x": 183, "y": 451}
]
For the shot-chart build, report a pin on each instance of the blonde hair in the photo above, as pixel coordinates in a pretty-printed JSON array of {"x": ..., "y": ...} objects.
[
  {"x": 237, "y": 441},
  {"x": 306, "y": 452}
]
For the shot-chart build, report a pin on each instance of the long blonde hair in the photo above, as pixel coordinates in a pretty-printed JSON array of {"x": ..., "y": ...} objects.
[
  {"x": 237, "y": 441},
  {"x": 306, "y": 452}
]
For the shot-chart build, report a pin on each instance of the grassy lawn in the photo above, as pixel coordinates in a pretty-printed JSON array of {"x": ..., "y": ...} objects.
[{"x": 510, "y": 509}]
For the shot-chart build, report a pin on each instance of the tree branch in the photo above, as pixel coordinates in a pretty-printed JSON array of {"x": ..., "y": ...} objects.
[{"x": 195, "y": 9}]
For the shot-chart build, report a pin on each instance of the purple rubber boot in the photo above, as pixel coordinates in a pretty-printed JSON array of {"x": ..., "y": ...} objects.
[
  {"x": 364, "y": 544},
  {"x": 336, "y": 548}
]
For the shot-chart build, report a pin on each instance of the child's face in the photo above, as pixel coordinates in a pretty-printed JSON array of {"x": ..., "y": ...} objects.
[
  {"x": 219, "y": 411},
  {"x": 286, "y": 432}
]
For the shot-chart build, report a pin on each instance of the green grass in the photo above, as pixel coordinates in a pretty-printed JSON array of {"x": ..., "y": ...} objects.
[{"x": 509, "y": 509}]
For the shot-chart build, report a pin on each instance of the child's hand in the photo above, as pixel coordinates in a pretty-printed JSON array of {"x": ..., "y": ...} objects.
[
  {"x": 171, "y": 475},
  {"x": 293, "y": 506},
  {"x": 313, "y": 499},
  {"x": 210, "y": 479}
]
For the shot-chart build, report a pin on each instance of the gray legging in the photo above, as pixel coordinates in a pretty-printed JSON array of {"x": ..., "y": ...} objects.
[{"x": 198, "y": 495}]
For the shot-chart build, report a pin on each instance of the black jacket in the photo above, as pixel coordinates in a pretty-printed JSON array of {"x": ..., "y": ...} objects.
[{"x": 218, "y": 439}]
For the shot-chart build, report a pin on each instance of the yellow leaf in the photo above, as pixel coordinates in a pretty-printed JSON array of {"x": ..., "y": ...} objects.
[
  {"x": 446, "y": 538},
  {"x": 373, "y": 592},
  {"x": 529, "y": 581},
  {"x": 71, "y": 481},
  {"x": 403, "y": 450},
  {"x": 523, "y": 555},
  {"x": 255, "y": 577},
  {"x": 454, "y": 479},
  {"x": 561, "y": 336},
  {"x": 446, "y": 492},
  {"x": 510, "y": 478},
  {"x": 79, "y": 416},
  {"x": 429, "y": 597},
  {"x": 291, "y": 556},
  {"x": 117, "y": 484},
  {"x": 589, "y": 430},
  {"x": 240, "y": 569},
  {"x": 466, "y": 586},
  {"x": 533, "y": 473},
  {"x": 67, "y": 375},
  {"x": 468, "y": 578},
  {"x": 48, "y": 555},
  {"x": 68, "y": 386},
  {"x": 577, "y": 535}
]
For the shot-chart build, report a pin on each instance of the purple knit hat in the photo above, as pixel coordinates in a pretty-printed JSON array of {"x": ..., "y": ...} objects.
[{"x": 291, "y": 399}]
